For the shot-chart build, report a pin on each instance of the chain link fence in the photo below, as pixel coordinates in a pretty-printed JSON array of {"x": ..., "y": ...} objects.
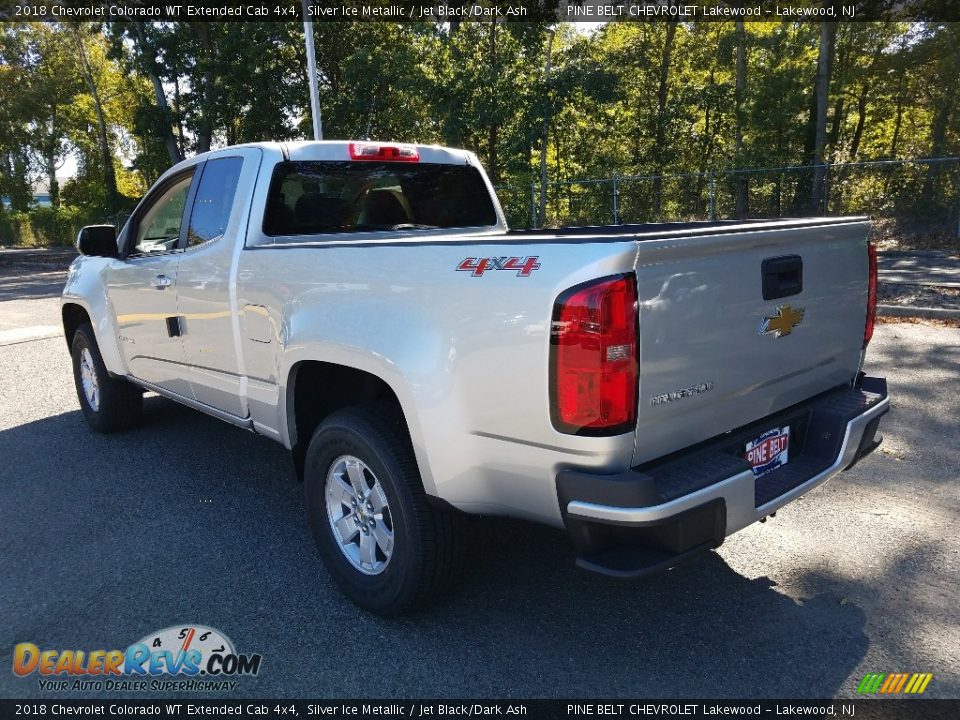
[{"x": 920, "y": 194}]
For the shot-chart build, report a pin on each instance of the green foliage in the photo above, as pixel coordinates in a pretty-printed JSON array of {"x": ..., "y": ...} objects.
[
  {"x": 43, "y": 226},
  {"x": 629, "y": 99},
  {"x": 55, "y": 226},
  {"x": 14, "y": 229}
]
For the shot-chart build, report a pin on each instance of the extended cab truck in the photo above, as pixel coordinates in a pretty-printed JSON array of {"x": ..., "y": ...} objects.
[{"x": 649, "y": 388}]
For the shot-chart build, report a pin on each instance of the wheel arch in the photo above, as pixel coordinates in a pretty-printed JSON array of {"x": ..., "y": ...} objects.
[
  {"x": 85, "y": 299},
  {"x": 316, "y": 388},
  {"x": 73, "y": 315}
]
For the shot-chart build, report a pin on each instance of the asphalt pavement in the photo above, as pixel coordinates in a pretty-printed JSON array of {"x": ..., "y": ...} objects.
[
  {"x": 104, "y": 539},
  {"x": 925, "y": 267},
  {"x": 30, "y": 300}
]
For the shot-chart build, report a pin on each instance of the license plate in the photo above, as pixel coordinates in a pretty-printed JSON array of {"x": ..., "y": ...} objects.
[{"x": 769, "y": 451}]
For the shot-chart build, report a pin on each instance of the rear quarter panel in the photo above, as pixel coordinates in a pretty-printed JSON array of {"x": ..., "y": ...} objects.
[{"x": 467, "y": 356}]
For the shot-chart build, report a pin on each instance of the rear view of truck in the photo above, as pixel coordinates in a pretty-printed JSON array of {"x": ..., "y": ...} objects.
[
  {"x": 650, "y": 389},
  {"x": 746, "y": 390}
]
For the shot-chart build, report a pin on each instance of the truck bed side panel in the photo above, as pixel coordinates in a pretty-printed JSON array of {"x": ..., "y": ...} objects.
[{"x": 466, "y": 355}]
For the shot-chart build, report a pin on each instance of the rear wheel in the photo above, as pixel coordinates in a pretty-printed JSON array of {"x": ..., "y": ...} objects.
[
  {"x": 109, "y": 404},
  {"x": 385, "y": 546}
]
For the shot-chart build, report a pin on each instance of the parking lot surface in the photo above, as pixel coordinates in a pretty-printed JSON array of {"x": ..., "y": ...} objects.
[{"x": 187, "y": 520}]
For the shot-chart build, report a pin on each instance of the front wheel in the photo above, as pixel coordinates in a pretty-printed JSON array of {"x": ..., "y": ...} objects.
[
  {"x": 384, "y": 545},
  {"x": 108, "y": 404}
]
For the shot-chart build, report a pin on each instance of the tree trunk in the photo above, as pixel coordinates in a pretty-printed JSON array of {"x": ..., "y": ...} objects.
[
  {"x": 49, "y": 150},
  {"x": 173, "y": 150},
  {"x": 109, "y": 174},
  {"x": 938, "y": 141},
  {"x": 941, "y": 121},
  {"x": 828, "y": 39},
  {"x": 704, "y": 155},
  {"x": 861, "y": 120},
  {"x": 179, "y": 115},
  {"x": 898, "y": 122},
  {"x": 838, "y": 61},
  {"x": 546, "y": 128},
  {"x": 208, "y": 99},
  {"x": 741, "y": 88},
  {"x": 836, "y": 120},
  {"x": 493, "y": 130},
  {"x": 659, "y": 138},
  {"x": 53, "y": 186},
  {"x": 21, "y": 169},
  {"x": 712, "y": 125}
]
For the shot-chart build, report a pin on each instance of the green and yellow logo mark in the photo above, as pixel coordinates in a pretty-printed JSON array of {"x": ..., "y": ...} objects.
[{"x": 894, "y": 683}]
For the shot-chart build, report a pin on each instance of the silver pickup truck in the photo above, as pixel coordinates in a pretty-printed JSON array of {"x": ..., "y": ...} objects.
[{"x": 650, "y": 389}]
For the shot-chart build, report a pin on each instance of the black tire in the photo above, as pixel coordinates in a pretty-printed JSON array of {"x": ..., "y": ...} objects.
[
  {"x": 119, "y": 403},
  {"x": 428, "y": 541}
]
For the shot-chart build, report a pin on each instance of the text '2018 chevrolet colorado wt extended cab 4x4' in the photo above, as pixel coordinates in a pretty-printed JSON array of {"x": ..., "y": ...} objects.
[{"x": 649, "y": 388}]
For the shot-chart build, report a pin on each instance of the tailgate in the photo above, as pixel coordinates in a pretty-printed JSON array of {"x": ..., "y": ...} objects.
[{"x": 715, "y": 355}]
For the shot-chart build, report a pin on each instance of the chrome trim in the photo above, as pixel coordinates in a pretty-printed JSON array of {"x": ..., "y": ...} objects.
[
  {"x": 243, "y": 422},
  {"x": 733, "y": 486},
  {"x": 737, "y": 490},
  {"x": 847, "y": 454}
]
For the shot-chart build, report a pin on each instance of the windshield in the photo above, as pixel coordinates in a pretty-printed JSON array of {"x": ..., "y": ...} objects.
[{"x": 311, "y": 198}]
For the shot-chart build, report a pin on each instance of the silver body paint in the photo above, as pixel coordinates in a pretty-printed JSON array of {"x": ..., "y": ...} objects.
[{"x": 468, "y": 356}]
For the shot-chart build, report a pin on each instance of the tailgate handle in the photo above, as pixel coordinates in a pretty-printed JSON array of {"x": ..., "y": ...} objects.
[{"x": 782, "y": 276}]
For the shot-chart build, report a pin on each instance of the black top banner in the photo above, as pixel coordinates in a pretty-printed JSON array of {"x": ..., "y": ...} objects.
[
  {"x": 591, "y": 11},
  {"x": 916, "y": 709}
]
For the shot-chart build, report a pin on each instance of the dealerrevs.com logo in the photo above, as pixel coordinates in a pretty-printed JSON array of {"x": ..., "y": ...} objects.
[{"x": 177, "y": 658}]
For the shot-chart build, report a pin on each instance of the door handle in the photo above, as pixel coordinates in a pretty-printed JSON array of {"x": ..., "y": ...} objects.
[
  {"x": 782, "y": 276},
  {"x": 160, "y": 282}
]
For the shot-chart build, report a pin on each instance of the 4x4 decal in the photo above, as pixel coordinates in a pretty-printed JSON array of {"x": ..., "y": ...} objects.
[{"x": 478, "y": 266}]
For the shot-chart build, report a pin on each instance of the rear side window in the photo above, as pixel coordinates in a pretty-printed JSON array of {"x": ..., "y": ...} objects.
[
  {"x": 214, "y": 199},
  {"x": 313, "y": 198}
]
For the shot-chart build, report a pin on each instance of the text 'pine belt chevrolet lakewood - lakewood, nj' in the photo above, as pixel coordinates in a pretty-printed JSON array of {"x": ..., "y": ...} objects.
[{"x": 649, "y": 388}]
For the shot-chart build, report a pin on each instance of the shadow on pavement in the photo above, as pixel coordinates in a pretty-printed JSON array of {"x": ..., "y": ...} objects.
[
  {"x": 20, "y": 283},
  {"x": 187, "y": 520}
]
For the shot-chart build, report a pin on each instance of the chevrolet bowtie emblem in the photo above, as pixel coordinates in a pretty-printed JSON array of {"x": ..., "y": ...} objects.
[{"x": 782, "y": 322}]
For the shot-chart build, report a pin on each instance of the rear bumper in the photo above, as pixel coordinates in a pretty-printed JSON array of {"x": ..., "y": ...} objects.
[{"x": 655, "y": 516}]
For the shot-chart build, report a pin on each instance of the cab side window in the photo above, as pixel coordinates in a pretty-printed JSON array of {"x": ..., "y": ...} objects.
[
  {"x": 214, "y": 200},
  {"x": 158, "y": 228}
]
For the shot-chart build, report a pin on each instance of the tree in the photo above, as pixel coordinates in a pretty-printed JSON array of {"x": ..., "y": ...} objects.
[
  {"x": 660, "y": 119},
  {"x": 942, "y": 46},
  {"x": 828, "y": 38},
  {"x": 14, "y": 117},
  {"x": 551, "y": 36},
  {"x": 147, "y": 57},
  {"x": 635, "y": 99},
  {"x": 740, "y": 97},
  {"x": 106, "y": 157}
]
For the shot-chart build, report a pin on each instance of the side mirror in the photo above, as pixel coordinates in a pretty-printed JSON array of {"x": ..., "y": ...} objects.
[{"x": 98, "y": 240}]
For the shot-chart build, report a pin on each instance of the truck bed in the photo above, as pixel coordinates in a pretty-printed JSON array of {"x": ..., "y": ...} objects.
[{"x": 653, "y": 231}]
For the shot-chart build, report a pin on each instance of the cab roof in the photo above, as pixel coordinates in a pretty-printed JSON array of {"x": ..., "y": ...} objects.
[{"x": 347, "y": 150}]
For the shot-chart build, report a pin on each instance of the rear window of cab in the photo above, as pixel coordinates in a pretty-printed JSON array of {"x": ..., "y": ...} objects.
[{"x": 323, "y": 197}]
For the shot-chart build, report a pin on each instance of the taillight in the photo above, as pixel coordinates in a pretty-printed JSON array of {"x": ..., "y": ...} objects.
[
  {"x": 389, "y": 153},
  {"x": 871, "y": 294},
  {"x": 593, "y": 358}
]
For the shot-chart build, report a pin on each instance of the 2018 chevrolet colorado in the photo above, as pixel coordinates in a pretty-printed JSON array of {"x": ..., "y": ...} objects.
[{"x": 649, "y": 388}]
